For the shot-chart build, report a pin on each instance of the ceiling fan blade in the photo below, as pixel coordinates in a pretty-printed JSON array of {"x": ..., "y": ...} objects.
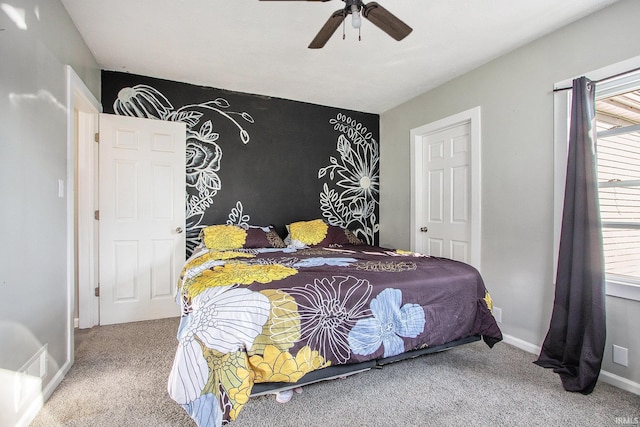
[
  {"x": 385, "y": 20},
  {"x": 328, "y": 29}
]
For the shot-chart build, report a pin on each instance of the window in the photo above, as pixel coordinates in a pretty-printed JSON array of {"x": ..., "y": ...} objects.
[
  {"x": 618, "y": 164},
  {"x": 618, "y": 157}
]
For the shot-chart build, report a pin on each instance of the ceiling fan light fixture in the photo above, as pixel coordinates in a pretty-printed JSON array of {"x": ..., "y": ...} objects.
[{"x": 356, "y": 19}]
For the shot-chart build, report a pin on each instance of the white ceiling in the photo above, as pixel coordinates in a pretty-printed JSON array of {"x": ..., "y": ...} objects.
[{"x": 260, "y": 47}]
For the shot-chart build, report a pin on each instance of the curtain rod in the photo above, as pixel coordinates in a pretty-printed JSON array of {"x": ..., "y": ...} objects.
[{"x": 560, "y": 89}]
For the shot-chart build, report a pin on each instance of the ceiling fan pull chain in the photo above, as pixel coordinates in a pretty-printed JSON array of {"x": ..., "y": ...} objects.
[
  {"x": 360, "y": 34},
  {"x": 344, "y": 35}
]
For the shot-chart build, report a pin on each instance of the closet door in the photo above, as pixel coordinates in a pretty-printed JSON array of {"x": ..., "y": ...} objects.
[
  {"x": 445, "y": 214},
  {"x": 446, "y": 187}
]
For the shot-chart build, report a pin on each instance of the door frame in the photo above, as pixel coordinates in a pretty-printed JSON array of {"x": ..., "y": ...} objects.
[
  {"x": 471, "y": 116},
  {"x": 79, "y": 131},
  {"x": 87, "y": 228}
]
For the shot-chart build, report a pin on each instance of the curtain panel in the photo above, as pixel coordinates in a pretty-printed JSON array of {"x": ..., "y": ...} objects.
[{"x": 574, "y": 344}]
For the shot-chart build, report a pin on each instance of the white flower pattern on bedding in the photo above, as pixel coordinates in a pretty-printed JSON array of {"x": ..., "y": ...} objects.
[
  {"x": 326, "y": 317},
  {"x": 215, "y": 313}
]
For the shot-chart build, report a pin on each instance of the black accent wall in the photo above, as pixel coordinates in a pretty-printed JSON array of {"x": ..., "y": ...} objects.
[{"x": 259, "y": 160}]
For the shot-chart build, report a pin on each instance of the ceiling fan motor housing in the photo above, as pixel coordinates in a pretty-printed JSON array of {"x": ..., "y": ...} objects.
[{"x": 349, "y": 3}]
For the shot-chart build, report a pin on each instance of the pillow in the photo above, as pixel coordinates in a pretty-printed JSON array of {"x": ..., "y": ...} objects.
[
  {"x": 319, "y": 233},
  {"x": 227, "y": 237},
  {"x": 352, "y": 238},
  {"x": 263, "y": 237}
]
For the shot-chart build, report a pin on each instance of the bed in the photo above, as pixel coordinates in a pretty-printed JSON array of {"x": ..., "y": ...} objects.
[{"x": 260, "y": 315}]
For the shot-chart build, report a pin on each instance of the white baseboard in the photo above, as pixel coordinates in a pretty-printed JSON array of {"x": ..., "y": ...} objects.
[
  {"x": 38, "y": 402},
  {"x": 76, "y": 323},
  {"x": 30, "y": 413},
  {"x": 521, "y": 344},
  {"x": 620, "y": 382},
  {"x": 605, "y": 377}
]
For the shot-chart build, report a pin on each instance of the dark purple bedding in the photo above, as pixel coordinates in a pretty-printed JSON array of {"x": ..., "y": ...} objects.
[{"x": 273, "y": 315}]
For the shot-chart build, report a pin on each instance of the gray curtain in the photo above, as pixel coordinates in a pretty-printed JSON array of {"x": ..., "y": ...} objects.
[{"x": 574, "y": 344}]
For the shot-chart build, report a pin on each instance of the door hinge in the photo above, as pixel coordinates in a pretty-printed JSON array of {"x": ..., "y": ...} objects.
[
  {"x": 96, "y": 215},
  {"x": 96, "y": 137},
  {"x": 96, "y": 291}
]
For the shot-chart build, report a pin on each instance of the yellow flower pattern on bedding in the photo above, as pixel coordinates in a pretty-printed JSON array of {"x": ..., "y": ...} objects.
[
  {"x": 282, "y": 329},
  {"x": 404, "y": 252},
  {"x": 197, "y": 265},
  {"x": 281, "y": 366},
  {"x": 215, "y": 256},
  {"x": 309, "y": 232},
  {"x": 488, "y": 301},
  {"x": 238, "y": 274},
  {"x": 231, "y": 371},
  {"x": 224, "y": 237}
]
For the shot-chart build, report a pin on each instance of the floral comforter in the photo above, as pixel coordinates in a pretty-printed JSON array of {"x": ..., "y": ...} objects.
[{"x": 273, "y": 315}]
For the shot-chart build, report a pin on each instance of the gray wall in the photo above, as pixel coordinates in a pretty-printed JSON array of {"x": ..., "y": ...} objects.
[
  {"x": 515, "y": 94},
  {"x": 33, "y": 157}
]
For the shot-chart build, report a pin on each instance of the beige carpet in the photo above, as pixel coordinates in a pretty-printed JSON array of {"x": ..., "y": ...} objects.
[{"x": 120, "y": 375}]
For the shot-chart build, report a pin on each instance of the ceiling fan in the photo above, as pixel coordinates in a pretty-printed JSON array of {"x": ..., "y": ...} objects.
[{"x": 378, "y": 15}]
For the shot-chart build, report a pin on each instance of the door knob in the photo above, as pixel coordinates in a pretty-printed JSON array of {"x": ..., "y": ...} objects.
[
  {"x": 424, "y": 229},
  {"x": 179, "y": 230}
]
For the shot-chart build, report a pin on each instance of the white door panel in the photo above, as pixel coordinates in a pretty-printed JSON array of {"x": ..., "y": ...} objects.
[
  {"x": 445, "y": 165},
  {"x": 142, "y": 215},
  {"x": 446, "y": 187},
  {"x": 459, "y": 250},
  {"x": 435, "y": 247}
]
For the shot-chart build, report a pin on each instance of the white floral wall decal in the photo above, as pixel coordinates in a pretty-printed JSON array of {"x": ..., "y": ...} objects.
[
  {"x": 349, "y": 194},
  {"x": 356, "y": 173},
  {"x": 204, "y": 155},
  {"x": 237, "y": 216}
]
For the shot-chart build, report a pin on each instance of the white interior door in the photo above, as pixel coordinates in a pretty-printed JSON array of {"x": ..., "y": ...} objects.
[
  {"x": 446, "y": 187},
  {"x": 142, "y": 217},
  {"x": 445, "y": 215}
]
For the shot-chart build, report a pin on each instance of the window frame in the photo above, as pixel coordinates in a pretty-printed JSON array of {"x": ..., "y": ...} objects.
[{"x": 617, "y": 286}]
